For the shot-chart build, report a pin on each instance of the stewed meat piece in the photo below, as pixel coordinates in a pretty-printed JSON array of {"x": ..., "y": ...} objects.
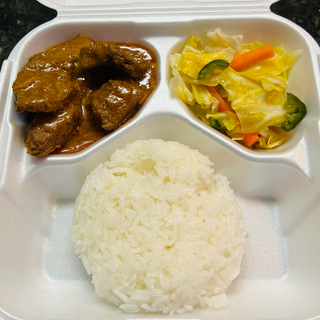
[
  {"x": 50, "y": 131},
  {"x": 131, "y": 62},
  {"x": 95, "y": 55},
  {"x": 115, "y": 102},
  {"x": 43, "y": 91},
  {"x": 45, "y": 83},
  {"x": 64, "y": 55}
]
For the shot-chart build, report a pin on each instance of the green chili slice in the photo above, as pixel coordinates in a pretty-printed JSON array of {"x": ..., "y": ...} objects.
[
  {"x": 207, "y": 71},
  {"x": 296, "y": 111},
  {"x": 216, "y": 124}
]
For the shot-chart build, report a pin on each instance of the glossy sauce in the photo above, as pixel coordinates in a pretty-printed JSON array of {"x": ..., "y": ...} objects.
[{"x": 89, "y": 131}]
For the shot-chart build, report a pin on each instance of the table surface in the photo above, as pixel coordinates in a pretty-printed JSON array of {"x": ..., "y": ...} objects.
[{"x": 18, "y": 17}]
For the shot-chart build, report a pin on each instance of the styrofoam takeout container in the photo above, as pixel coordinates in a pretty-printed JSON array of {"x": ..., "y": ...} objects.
[{"x": 40, "y": 275}]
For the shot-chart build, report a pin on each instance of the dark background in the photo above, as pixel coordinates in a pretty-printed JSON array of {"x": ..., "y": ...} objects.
[{"x": 18, "y": 17}]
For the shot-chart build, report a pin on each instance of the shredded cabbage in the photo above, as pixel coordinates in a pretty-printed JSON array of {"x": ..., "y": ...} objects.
[
  {"x": 249, "y": 101},
  {"x": 180, "y": 88},
  {"x": 192, "y": 61},
  {"x": 272, "y": 138},
  {"x": 272, "y": 73},
  {"x": 220, "y": 39},
  {"x": 229, "y": 120},
  {"x": 202, "y": 96}
]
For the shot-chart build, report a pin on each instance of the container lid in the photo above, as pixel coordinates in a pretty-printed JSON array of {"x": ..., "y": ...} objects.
[{"x": 227, "y": 4}]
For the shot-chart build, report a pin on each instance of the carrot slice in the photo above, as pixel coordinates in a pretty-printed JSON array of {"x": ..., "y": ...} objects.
[
  {"x": 250, "y": 139},
  {"x": 246, "y": 60},
  {"x": 223, "y": 106}
]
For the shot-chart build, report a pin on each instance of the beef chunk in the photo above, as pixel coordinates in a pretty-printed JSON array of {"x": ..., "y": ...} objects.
[
  {"x": 50, "y": 131},
  {"x": 44, "y": 84},
  {"x": 43, "y": 91},
  {"x": 64, "y": 55},
  {"x": 115, "y": 102},
  {"x": 95, "y": 55},
  {"x": 127, "y": 61},
  {"x": 132, "y": 63}
]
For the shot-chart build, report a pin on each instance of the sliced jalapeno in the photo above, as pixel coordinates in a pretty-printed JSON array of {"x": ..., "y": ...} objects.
[
  {"x": 207, "y": 71},
  {"x": 296, "y": 111},
  {"x": 216, "y": 124}
]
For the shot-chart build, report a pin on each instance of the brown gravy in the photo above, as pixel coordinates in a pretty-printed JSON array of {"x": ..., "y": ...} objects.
[{"x": 89, "y": 132}]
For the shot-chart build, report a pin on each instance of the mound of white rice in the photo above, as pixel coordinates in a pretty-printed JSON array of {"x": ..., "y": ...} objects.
[{"x": 158, "y": 230}]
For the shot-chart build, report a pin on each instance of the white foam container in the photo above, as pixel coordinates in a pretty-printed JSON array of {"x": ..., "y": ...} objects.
[{"x": 40, "y": 275}]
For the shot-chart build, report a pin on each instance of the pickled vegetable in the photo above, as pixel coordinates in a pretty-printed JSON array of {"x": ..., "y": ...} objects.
[{"x": 238, "y": 88}]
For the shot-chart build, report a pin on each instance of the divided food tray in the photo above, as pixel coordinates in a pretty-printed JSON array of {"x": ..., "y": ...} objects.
[{"x": 279, "y": 190}]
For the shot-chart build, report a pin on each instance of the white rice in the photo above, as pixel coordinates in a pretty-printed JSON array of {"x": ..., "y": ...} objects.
[{"x": 158, "y": 230}]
